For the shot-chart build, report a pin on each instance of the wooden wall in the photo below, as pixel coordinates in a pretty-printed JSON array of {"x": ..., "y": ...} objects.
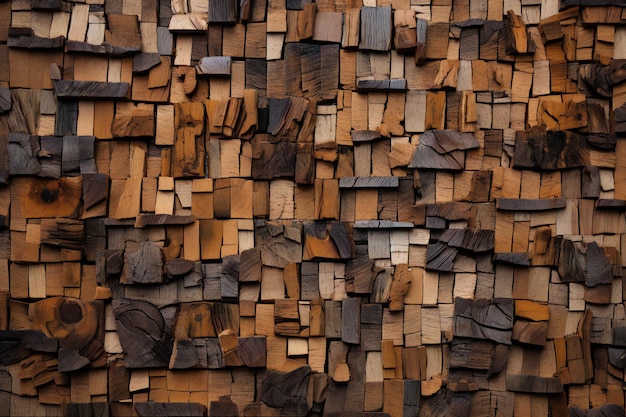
[{"x": 276, "y": 207}]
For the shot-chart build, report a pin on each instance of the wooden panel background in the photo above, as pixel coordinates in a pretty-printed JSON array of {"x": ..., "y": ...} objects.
[{"x": 287, "y": 208}]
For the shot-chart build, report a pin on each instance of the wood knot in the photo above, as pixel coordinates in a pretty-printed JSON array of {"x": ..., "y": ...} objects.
[
  {"x": 71, "y": 312},
  {"x": 49, "y": 196}
]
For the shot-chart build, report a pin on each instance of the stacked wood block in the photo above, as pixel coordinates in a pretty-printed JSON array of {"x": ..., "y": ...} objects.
[{"x": 292, "y": 208}]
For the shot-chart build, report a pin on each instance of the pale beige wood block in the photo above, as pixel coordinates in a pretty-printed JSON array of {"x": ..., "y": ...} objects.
[
  {"x": 281, "y": 199},
  {"x": 78, "y": 23}
]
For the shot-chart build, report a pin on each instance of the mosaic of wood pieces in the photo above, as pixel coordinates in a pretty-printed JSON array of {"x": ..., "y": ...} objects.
[{"x": 360, "y": 208}]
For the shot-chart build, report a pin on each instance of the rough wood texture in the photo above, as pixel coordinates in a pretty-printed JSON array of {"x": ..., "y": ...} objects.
[
  {"x": 214, "y": 65},
  {"x": 517, "y": 39},
  {"x": 327, "y": 241},
  {"x": 5, "y": 100},
  {"x": 484, "y": 319},
  {"x": 442, "y": 149},
  {"x": 287, "y": 391},
  {"x": 133, "y": 121},
  {"x": 584, "y": 262},
  {"x": 375, "y": 28},
  {"x": 222, "y": 11},
  {"x": 90, "y": 90},
  {"x": 478, "y": 354},
  {"x": 532, "y": 383},
  {"x": 143, "y": 266},
  {"x": 295, "y": 208},
  {"x": 143, "y": 335},
  {"x": 372, "y": 86},
  {"x": 170, "y": 409},
  {"x": 35, "y": 42},
  {"x": 538, "y": 148},
  {"x": 517, "y": 204},
  {"x": 145, "y": 61}
]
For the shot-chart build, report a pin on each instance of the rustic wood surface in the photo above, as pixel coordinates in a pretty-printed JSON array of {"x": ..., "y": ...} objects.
[{"x": 312, "y": 208}]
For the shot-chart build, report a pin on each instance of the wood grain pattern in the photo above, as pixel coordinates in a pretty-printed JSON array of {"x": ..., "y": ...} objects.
[
  {"x": 90, "y": 89},
  {"x": 284, "y": 207},
  {"x": 375, "y": 28}
]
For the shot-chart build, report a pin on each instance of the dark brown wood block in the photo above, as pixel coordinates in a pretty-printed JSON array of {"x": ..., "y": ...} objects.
[
  {"x": 145, "y": 61},
  {"x": 350, "y": 321},
  {"x": 50, "y": 5},
  {"x": 63, "y": 233},
  {"x": 144, "y": 220},
  {"x": 330, "y": 240},
  {"x": 94, "y": 90},
  {"x": 533, "y": 384},
  {"x": 23, "y": 149},
  {"x": 584, "y": 262},
  {"x": 530, "y": 333},
  {"x": 287, "y": 390},
  {"x": 154, "y": 348},
  {"x": 253, "y": 351},
  {"x": 518, "y": 204},
  {"x": 484, "y": 319},
  {"x": 5, "y": 100},
  {"x": 169, "y": 409},
  {"x": 184, "y": 355},
  {"x": 372, "y": 86},
  {"x": 376, "y": 28},
  {"x": 517, "y": 39},
  {"x": 442, "y": 149},
  {"x": 540, "y": 149},
  {"x": 95, "y": 189},
  {"x": 36, "y": 42},
  {"x": 123, "y": 30},
  {"x": 250, "y": 265},
  {"x": 223, "y": 11},
  {"x": 143, "y": 266}
]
